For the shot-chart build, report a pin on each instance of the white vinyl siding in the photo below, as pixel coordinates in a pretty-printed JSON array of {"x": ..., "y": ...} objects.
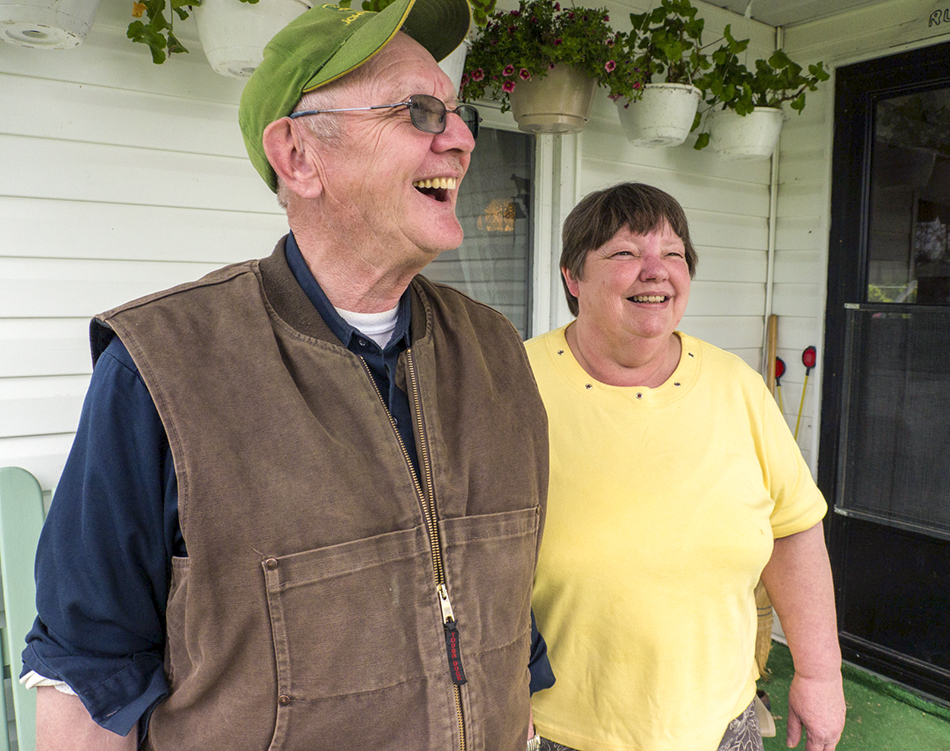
[{"x": 117, "y": 178}]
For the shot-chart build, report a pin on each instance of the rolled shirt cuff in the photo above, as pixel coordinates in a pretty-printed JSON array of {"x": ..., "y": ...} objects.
[{"x": 35, "y": 680}]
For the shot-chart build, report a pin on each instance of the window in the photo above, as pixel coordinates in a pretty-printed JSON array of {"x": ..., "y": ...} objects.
[
  {"x": 493, "y": 264},
  {"x": 908, "y": 237}
]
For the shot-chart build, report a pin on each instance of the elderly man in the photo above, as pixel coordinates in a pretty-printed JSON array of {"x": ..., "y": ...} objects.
[{"x": 304, "y": 503}]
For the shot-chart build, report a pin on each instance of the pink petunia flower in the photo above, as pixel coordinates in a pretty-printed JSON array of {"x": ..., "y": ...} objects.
[
  {"x": 508, "y": 86},
  {"x": 478, "y": 74},
  {"x": 610, "y": 66},
  {"x": 508, "y": 70},
  {"x": 525, "y": 76}
]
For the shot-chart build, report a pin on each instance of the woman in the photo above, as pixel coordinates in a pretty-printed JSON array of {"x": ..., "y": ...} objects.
[{"x": 675, "y": 486}]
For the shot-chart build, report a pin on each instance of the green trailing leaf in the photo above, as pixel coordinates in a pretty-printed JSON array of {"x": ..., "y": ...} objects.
[
  {"x": 174, "y": 46},
  {"x": 139, "y": 32},
  {"x": 157, "y": 33}
]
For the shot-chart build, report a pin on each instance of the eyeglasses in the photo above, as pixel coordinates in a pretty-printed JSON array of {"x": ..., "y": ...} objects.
[{"x": 426, "y": 112}]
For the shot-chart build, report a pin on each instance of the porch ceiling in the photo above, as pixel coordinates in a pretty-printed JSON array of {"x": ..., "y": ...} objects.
[{"x": 790, "y": 12}]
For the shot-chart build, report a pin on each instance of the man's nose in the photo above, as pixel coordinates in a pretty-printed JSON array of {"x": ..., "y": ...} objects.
[{"x": 456, "y": 135}]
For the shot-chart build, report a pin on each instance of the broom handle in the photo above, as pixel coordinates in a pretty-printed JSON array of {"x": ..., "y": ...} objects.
[{"x": 771, "y": 347}]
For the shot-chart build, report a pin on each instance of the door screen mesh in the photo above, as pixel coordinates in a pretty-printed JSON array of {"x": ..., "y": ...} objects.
[{"x": 895, "y": 442}]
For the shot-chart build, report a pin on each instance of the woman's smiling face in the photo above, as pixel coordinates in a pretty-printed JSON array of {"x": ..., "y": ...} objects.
[{"x": 633, "y": 286}]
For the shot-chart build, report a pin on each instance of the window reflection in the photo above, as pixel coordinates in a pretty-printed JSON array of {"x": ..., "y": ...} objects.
[{"x": 908, "y": 239}]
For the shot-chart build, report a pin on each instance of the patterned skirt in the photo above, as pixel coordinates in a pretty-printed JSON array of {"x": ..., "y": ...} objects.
[{"x": 742, "y": 734}]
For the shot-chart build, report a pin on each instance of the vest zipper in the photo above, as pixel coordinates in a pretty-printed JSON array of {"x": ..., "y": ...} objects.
[{"x": 427, "y": 502}]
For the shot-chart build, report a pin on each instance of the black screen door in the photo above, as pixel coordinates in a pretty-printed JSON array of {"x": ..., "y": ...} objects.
[{"x": 885, "y": 434}]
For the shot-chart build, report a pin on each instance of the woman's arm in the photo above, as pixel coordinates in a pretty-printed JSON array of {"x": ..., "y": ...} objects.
[{"x": 798, "y": 580}]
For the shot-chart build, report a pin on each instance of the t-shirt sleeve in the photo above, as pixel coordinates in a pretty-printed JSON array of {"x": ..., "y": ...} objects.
[{"x": 103, "y": 557}]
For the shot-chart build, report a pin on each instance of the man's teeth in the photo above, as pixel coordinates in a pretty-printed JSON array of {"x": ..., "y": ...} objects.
[
  {"x": 445, "y": 183},
  {"x": 648, "y": 298}
]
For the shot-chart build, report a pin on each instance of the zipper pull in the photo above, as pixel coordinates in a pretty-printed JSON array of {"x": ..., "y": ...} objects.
[
  {"x": 447, "y": 614},
  {"x": 451, "y": 638}
]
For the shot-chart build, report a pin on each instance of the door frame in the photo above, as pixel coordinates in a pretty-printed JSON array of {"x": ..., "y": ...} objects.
[{"x": 857, "y": 88}]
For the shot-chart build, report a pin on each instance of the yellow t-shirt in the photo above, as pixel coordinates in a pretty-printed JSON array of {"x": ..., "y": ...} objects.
[{"x": 662, "y": 509}]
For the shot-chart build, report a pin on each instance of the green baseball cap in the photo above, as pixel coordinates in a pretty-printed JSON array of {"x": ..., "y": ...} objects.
[{"x": 325, "y": 43}]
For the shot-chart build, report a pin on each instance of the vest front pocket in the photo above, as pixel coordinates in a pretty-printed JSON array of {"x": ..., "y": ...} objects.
[{"x": 348, "y": 618}]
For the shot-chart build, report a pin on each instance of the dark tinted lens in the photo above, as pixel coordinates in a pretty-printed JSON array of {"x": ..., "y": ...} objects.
[
  {"x": 427, "y": 113},
  {"x": 470, "y": 117}
]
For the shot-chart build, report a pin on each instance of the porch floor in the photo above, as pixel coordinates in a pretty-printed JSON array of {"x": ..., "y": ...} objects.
[{"x": 882, "y": 716}]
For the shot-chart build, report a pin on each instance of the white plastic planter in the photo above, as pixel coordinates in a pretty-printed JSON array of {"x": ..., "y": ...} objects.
[
  {"x": 454, "y": 65},
  {"x": 558, "y": 103},
  {"x": 662, "y": 117},
  {"x": 233, "y": 34},
  {"x": 46, "y": 24},
  {"x": 752, "y": 136}
]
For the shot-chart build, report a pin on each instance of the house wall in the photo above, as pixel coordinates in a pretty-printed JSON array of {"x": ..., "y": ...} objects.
[
  {"x": 804, "y": 195},
  {"x": 119, "y": 177}
]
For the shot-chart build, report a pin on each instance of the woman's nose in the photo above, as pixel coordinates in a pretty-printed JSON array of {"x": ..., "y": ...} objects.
[{"x": 653, "y": 267}]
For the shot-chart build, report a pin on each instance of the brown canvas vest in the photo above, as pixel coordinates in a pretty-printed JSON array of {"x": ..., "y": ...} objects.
[{"x": 309, "y": 613}]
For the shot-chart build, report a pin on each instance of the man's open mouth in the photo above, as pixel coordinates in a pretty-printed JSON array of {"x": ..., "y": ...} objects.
[{"x": 436, "y": 187}]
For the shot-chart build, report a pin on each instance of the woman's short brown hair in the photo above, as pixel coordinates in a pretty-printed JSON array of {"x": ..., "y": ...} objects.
[{"x": 602, "y": 214}]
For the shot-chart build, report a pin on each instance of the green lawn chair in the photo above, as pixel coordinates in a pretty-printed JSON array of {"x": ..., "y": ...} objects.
[{"x": 21, "y": 518}]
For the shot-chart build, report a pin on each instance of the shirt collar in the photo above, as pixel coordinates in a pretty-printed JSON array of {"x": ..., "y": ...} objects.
[{"x": 341, "y": 329}]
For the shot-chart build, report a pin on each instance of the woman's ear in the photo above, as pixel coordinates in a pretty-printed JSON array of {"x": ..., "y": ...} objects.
[{"x": 293, "y": 157}]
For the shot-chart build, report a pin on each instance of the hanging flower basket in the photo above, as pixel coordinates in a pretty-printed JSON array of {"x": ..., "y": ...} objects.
[
  {"x": 46, "y": 24},
  {"x": 751, "y": 136},
  {"x": 233, "y": 34},
  {"x": 558, "y": 103},
  {"x": 663, "y": 116}
]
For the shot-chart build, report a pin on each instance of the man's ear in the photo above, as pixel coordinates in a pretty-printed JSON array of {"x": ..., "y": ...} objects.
[
  {"x": 572, "y": 286},
  {"x": 293, "y": 157}
]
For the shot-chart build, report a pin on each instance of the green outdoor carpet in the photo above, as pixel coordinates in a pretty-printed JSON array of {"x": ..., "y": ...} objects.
[{"x": 881, "y": 715}]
